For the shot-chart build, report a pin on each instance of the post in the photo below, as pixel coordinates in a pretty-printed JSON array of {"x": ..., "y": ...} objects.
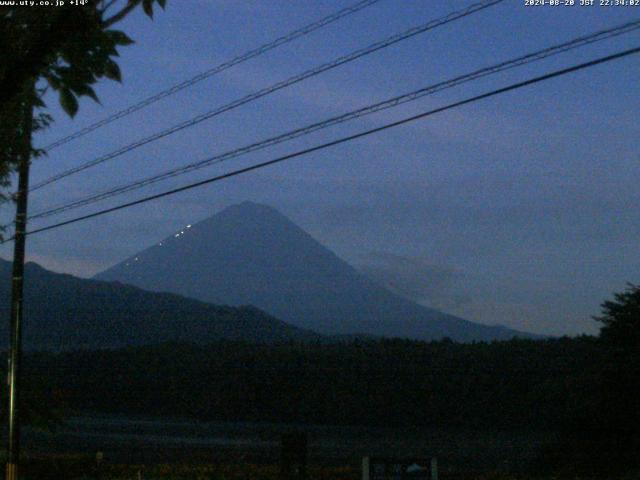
[
  {"x": 434, "y": 468},
  {"x": 366, "y": 475},
  {"x": 15, "y": 349}
]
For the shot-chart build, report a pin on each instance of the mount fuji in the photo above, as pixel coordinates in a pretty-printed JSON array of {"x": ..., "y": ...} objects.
[{"x": 251, "y": 254}]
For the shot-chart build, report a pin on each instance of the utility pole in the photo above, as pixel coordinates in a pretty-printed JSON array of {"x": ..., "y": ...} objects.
[{"x": 15, "y": 349}]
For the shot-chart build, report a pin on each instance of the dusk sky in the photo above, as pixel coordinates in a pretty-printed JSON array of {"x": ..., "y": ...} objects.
[{"x": 520, "y": 210}]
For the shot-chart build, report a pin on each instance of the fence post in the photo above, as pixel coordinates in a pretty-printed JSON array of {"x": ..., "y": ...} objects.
[{"x": 366, "y": 462}]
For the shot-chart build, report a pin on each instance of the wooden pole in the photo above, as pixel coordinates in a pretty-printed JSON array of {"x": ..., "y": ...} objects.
[{"x": 15, "y": 350}]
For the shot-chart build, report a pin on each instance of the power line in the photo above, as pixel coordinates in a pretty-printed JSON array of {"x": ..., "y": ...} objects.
[
  {"x": 386, "y": 104},
  {"x": 215, "y": 70},
  {"x": 349, "y": 138},
  {"x": 275, "y": 87}
]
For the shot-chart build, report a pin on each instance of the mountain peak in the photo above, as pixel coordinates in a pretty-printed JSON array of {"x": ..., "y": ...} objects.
[
  {"x": 244, "y": 211},
  {"x": 251, "y": 254},
  {"x": 248, "y": 205},
  {"x": 248, "y": 211}
]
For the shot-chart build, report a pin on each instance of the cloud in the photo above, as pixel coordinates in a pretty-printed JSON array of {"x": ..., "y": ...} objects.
[
  {"x": 527, "y": 304},
  {"x": 417, "y": 279}
]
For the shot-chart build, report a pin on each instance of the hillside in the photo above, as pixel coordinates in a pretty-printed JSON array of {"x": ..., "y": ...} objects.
[{"x": 63, "y": 312}]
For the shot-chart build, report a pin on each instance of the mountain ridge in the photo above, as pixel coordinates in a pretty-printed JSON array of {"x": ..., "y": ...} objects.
[
  {"x": 250, "y": 253},
  {"x": 63, "y": 312}
]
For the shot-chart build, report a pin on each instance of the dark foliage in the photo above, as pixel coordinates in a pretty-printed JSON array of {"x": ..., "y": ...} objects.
[
  {"x": 620, "y": 336},
  {"x": 620, "y": 319},
  {"x": 562, "y": 386},
  {"x": 70, "y": 47},
  {"x": 521, "y": 383},
  {"x": 67, "y": 49}
]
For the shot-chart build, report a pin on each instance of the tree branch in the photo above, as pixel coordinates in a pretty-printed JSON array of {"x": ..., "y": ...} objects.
[
  {"x": 33, "y": 60},
  {"x": 108, "y": 5},
  {"x": 122, "y": 13}
]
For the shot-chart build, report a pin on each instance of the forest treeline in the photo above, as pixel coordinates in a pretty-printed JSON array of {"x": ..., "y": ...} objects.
[
  {"x": 518, "y": 383},
  {"x": 582, "y": 391}
]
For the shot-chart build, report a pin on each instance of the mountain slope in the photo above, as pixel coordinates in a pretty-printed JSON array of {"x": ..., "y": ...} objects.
[
  {"x": 252, "y": 254},
  {"x": 63, "y": 312}
]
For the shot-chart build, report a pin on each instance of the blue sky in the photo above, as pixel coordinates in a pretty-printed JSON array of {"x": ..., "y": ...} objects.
[{"x": 519, "y": 210}]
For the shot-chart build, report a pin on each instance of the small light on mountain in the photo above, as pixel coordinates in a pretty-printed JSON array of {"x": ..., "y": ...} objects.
[
  {"x": 177, "y": 235},
  {"x": 188, "y": 226}
]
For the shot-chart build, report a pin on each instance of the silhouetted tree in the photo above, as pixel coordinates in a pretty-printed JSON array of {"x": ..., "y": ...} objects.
[
  {"x": 619, "y": 415},
  {"x": 70, "y": 47},
  {"x": 621, "y": 319},
  {"x": 67, "y": 49}
]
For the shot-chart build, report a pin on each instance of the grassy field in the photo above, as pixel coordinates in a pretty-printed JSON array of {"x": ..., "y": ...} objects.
[
  {"x": 77, "y": 467},
  {"x": 154, "y": 448}
]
